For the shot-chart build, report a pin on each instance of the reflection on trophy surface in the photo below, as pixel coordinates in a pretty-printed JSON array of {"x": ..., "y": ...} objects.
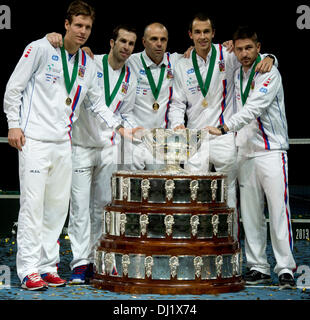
[
  {"x": 172, "y": 147},
  {"x": 169, "y": 231}
]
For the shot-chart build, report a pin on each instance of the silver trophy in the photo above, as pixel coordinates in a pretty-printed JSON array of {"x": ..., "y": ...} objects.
[{"x": 173, "y": 147}]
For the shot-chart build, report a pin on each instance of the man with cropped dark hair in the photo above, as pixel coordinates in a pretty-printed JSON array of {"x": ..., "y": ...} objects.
[
  {"x": 202, "y": 17},
  {"x": 95, "y": 152},
  {"x": 245, "y": 32},
  {"x": 262, "y": 142},
  {"x": 127, "y": 27},
  {"x": 203, "y": 90}
]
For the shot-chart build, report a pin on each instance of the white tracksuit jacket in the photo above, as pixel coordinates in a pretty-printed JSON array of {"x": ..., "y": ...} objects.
[
  {"x": 261, "y": 123},
  {"x": 94, "y": 156},
  {"x": 87, "y": 131},
  {"x": 35, "y": 95},
  {"x": 262, "y": 142},
  {"x": 138, "y": 157},
  {"x": 187, "y": 99},
  {"x": 187, "y": 96},
  {"x": 35, "y": 102},
  {"x": 143, "y": 112}
]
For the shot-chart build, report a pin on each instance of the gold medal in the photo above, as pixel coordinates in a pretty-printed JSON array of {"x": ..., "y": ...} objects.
[
  {"x": 155, "y": 106},
  {"x": 204, "y": 103},
  {"x": 68, "y": 101}
]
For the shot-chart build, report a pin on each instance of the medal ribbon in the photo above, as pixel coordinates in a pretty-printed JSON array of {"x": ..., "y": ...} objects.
[
  {"x": 244, "y": 95},
  {"x": 109, "y": 98},
  {"x": 69, "y": 83},
  {"x": 155, "y": 90},
  {"x": 204, "y": 87}
]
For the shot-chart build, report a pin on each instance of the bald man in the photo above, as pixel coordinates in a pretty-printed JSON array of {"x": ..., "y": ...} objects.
[{"x": 154, "y": 69}]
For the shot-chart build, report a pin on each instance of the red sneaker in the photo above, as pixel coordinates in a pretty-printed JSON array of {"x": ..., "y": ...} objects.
[
  {"x": 53, "y": 279},
  {"x": 34, "y": 282}
]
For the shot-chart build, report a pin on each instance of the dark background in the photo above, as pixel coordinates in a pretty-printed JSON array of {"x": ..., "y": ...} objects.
[{"x": 274, "y": 22}]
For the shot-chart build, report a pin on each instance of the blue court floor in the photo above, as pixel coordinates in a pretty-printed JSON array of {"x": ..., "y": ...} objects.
[{"x": 13, "y": 291}]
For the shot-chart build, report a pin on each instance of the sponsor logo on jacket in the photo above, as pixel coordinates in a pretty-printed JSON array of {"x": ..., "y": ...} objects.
[
  {"x": 28, "y": 52},
  {"x": 124, "y": 87},
  {"x": 81, "y": 72},
  {"x": 222, "y": 65},
  {"x": 191, "y": 70}
]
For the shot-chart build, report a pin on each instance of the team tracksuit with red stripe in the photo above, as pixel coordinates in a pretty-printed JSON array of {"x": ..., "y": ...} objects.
[
  {"x": 262, "y": 141},
  {"x": 94, "y": 159},
  {"x": 137, "y": 157},
  {"x": 188, "y": 99},
  {"x": 35, "y": 101}
]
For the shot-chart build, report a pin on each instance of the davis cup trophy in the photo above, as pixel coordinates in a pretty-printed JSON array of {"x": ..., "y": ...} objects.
[
  {"x": 173, "y": 148},
  {"x": 169, "y": 231}
]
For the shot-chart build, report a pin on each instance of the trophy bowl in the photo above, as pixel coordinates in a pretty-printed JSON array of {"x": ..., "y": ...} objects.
[{"x": 173, "y": 147}]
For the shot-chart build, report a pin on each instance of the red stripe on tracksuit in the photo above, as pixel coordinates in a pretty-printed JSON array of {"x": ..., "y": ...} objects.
[
  {"x": 73, "y": 107},
  {"x": 168, "y": 106},
  {"x": 286, "y": 201},
  {"x": 76, "y": 96},
  {"x": 265, "y": 137}
]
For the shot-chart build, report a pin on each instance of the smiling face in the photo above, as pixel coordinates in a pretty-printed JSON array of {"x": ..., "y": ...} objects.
[
  {"x": 155, "y": 41},
  {"x": 78, "y": 31},
  {"x": 246, "y": 51},
  {"x": 124, "y": 45},
  {"x": 202, "y": 35}
]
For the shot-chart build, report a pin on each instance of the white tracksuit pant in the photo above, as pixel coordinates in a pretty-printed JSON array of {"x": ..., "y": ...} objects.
[
  {"x": 45, "y": 179},
  {"x": 266, "y": 174},
  {"x": 91, "y": 192},
  {"x": 222, "y": 153}
]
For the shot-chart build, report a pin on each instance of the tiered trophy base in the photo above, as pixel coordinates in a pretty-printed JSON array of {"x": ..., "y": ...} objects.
[
  {"x": 219, "y": 270},
  {"x": 171, "y": 288},
  {"x": 168, "y": 233}
]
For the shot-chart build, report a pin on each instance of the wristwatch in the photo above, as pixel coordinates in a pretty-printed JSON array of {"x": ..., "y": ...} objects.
[
  {"x": 119, "y": 127},
  {"x": 221, "y": 127}
]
